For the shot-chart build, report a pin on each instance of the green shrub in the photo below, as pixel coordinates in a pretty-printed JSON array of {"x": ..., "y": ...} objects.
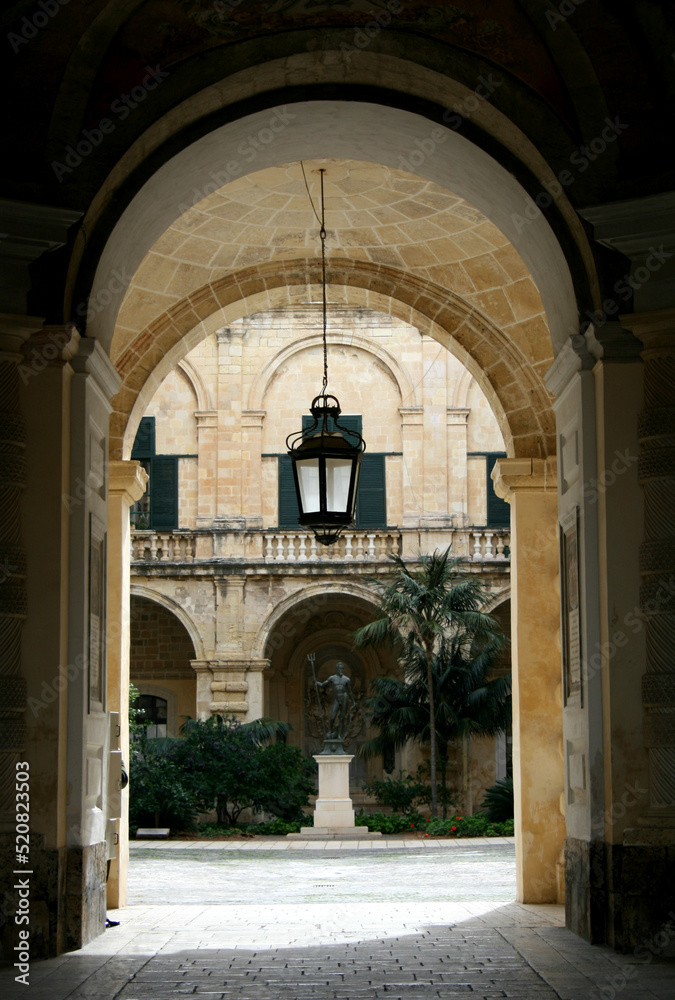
[
  {"x": 279, "y": 827},
  {"x": 395, "y": 823},
  {"x": 468, "y": 826},
  {"x": 498, "y": 801},
  {"x": 401, "y": 794},
  {"x": 160, "y": 793}
]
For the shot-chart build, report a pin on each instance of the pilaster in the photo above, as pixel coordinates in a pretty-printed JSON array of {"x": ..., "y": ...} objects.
[
  {"x": 251, "y": 466},
  {"x": 412, "y": 441},
  {"x": 530, "y": 486},
  {"x": 207, "y": 466},
  {"x": 126, "y": 485}
]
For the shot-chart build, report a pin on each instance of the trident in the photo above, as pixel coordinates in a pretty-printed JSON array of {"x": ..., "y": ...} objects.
[{"x": 312, "y": 660}]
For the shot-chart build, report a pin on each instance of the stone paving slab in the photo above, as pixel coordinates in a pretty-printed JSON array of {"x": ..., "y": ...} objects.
[{"x": 365, "y": 947}]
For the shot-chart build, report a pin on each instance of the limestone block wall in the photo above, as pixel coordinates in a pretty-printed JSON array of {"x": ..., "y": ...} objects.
[{"x": 229, "y": 406}]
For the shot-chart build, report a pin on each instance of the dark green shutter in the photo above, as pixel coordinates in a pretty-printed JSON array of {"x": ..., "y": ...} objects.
[
  {"x": 498, "y": 511},
  {"x": 288, "y": 501},
  {"x": 371, "y": 501},
  {"x": 164, "y": 492},
  {"x": 144, "y": 443},
  {"x": 351, "y": 421}
]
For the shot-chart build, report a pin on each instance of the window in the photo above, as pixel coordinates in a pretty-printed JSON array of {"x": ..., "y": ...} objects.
[
  {"x": 155, "y": 714},
  {"x": 158, "y": 507},
  {"x": 371, "y": 502}
]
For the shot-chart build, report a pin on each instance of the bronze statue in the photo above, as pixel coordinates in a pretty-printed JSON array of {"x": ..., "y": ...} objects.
[{"x": 343, "y": 702}]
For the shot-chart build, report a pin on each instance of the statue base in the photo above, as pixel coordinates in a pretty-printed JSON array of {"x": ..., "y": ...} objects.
[{"x": 334, "y": 812}]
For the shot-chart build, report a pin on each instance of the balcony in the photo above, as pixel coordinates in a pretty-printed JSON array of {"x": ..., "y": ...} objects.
[{"x": 268, "y": 547}]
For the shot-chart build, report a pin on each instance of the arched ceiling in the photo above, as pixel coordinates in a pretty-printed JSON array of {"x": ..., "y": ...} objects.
[{"x": 374, "y": 214}]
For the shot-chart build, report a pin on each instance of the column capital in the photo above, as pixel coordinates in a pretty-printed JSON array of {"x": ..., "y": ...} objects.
[
  {"x": 206, "y": 418},
  {"x": 458, "y": 415},
  {"x": 411, "y": 414},
  {"x": 524, "y": 475},
  {"x": 253, "y": 418},
  {"x": 655, "y": 328},
  {"x": 127, "y": 480},
  {"x": 91, "y": 359},
  {"x": 14, "y": 331}
]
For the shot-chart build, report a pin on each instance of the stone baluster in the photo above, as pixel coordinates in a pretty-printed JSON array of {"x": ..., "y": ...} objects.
[
  {"x": 371, "y": 545},
  {"x": 348, "y": 546},
  {"x": 290, "y": 547},
  {"x": 189, "y": 549},
  {"x": 477, "y": 554},
  {"x": 153, "y": 546},
  {"x": 312, "y": 547},
  {"x": 488, "y": 545},
  {"x": 280, "y": 548},
  {"x": 360, "y": 540},
  {"x": 302, "y": 543}
]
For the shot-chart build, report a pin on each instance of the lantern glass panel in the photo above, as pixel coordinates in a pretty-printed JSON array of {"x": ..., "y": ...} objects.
[
  {"x": 308, "y": 480},
  {"x": 338, "y": 475}
]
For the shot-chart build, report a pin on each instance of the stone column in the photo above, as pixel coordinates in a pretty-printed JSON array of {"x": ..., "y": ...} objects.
[
  {"x": 530, "y": 486},
  {"x": 207, "y": 466},
  {"x": 251, "y": 466},
  {"x": 256, "y": 688},
  {"x": 650, "y": 845},
  {"x": 126, "y": 485},
  {"x": 229, "y": 688},
  {"x": 203, "y": 670},
  {"x": 458, "y": 501},
  {"x": 412, "y": 440},
  {"x": 230, "y": 486}
]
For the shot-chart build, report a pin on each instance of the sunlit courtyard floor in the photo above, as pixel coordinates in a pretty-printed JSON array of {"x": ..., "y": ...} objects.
[{"x": 394, "y": 920}]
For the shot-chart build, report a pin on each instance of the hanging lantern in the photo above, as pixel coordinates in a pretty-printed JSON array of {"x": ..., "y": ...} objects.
[{"x": 326, "y": 456}]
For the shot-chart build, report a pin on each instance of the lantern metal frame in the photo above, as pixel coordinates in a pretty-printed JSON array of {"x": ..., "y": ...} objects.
[{"x": 326, "y": 441}]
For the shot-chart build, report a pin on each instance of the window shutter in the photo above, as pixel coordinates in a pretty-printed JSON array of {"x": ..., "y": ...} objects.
[
  {"x": 144, "y": 443},
  {"x": 371, "y": 502},
  {"x": 289, "y": 513},
  {"x": 351, "y": 421},
  {"x": 498, "y": 511},
  {"x": 164, "y": 493}
]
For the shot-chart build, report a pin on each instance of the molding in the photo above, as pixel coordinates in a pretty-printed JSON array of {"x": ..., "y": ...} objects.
[
  {"x": 91, "y": 359},
  {"x": 127, "y": 480},
  {"x": 524, "y": 475},
  {"x": 633, "y": 227},
  {"x": 656, "y": 329}
]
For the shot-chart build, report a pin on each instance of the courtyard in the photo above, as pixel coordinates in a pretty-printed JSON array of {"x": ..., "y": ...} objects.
[{"x": 266, "y": 919}]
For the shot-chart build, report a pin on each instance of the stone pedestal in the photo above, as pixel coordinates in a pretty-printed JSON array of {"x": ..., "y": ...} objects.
[{"x": 334, "y": 812}]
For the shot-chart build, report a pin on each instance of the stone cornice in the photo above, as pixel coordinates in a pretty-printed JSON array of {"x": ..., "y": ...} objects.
[
  {"x": 127, "y": 480},
  {"x": 656, "y": 329},
  {"x": 524, "y": 475},
  {"x": 92, "y": 360}
]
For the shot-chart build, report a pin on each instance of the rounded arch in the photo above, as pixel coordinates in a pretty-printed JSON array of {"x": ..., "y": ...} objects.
[
  {"x": 405, "y": 384},
  {"x": 315, "y": 597},
  {"x": 140, "y": 590},
  {"x": 359, "y": 131},
  {"x": 512, "y": 384},
  {"x": 372, "y": 117}
]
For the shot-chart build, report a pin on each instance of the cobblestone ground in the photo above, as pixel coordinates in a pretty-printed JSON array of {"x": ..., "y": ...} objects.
[{"x": 257, "y": 921}]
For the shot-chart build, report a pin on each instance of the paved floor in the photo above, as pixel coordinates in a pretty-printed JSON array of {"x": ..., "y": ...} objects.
[{"x": 267, "y": 920}]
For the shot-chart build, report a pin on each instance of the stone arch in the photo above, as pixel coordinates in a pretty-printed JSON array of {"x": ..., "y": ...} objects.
[
  {"x": 199, "y": 386},
  {"x": 462, "y": 390},
  {"x": 327, "y": 128},
  {"x": 140, "y": 590},
  {"x": 512, "y": 385},
  {"x": 396, "y": 371},
  {"x": 315, "y": 595}
]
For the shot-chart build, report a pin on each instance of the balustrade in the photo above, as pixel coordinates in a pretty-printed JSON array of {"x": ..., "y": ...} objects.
[{"x": 473, "y": 544}]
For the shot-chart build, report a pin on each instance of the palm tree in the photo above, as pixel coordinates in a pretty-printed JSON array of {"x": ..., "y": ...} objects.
[
  {"x": 467, "y": 702},
  {"x": 420, "y": 610}
]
